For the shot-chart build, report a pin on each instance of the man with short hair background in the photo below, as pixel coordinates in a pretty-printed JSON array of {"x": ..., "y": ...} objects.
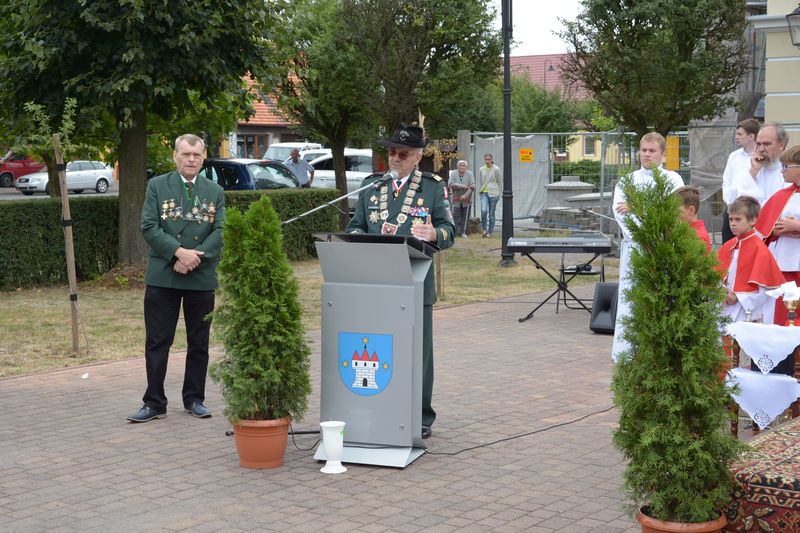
[
  {"x": 182, "y": 224},
  {"x": 652, "y": 149},
  {"x": 738, "y": 162},
  {"x": 301, "y": 169}
]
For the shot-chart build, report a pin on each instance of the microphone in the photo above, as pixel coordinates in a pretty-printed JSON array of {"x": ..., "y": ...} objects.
[{"x": 389, "y": 176}]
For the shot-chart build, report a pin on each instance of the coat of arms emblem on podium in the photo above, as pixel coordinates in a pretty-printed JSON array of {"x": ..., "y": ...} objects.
[{"x": 365, "y": 362}]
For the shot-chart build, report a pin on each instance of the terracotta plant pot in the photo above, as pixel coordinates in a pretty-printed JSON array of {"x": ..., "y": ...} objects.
[
  {"x": 261, "y": 443},
  {"x": 651, "y": 525}
]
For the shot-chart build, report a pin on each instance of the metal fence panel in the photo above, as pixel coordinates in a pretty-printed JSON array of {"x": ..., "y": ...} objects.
[{"x": 530, "y": 174}]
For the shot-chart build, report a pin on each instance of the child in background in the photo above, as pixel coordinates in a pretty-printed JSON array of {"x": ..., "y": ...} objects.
[
  {"x": 691, "y": 205},
  {"x": 748, "y": 267}
]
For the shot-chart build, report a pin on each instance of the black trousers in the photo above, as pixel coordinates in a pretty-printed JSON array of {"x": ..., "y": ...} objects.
[
  {"x": 428, "y": 414},
  {"x": 161, "y": 311}
]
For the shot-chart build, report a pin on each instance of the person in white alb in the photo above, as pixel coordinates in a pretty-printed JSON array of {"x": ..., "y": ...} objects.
[
  {"x": 652, "y": 148},
  {"x": 738, "y": 162},
  {"x": 764, "y": 177}
]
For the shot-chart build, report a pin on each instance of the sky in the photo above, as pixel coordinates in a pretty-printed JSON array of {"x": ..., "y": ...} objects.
[{"x": 535, "y": 20}]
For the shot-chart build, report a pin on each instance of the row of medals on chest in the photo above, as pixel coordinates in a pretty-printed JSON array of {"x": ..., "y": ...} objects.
[
  {"x": 204, "y": 211},
  {"x": 413, "y": 187}
]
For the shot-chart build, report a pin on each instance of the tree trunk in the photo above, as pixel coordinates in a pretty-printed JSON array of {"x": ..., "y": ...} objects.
[
  {"x": 339, "y": 169},
  {"x": 132, "y": 185},
  {"x": 52, "y": 176}
]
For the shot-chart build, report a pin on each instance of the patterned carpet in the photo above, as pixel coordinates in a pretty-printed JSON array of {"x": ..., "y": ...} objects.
[{"x": 767, "y": 492}]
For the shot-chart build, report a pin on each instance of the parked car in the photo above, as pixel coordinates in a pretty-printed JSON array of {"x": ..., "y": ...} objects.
[
  {"x": 282, "y": 151},
  {"x": 358, "y": 165},
  {"x": 313, "y": 153},
  {"x": 248, "y": 174},
  {"x": 81, "y": 175},
  {"x": 12, "y": 166}
]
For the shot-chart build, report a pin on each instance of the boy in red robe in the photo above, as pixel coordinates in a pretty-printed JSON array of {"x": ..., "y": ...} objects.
[
  {"x": 690, "y": 196},
  {"x": 748, "y": 267}
]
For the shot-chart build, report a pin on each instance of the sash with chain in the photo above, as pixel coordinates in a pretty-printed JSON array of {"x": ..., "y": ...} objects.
[{"x": 389, "y": 228}]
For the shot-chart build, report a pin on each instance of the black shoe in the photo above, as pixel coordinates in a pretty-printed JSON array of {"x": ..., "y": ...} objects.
[
  {"x": 145, "y": 414},
  {"x": 426, "y": 432},
  {"x": 199, "y": 410}
]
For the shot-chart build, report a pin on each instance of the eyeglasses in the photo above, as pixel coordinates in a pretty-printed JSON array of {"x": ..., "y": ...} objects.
[
  {"x": 784, "y": 167},
  {"x": 401, "y": 154}
]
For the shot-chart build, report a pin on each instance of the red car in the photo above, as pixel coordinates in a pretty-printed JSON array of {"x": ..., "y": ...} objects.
[{"x": 12, "y": 166}]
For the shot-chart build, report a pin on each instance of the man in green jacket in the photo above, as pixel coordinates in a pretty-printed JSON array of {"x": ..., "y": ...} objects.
[
  {"x": 411, "y": 203},
  {"x": 182, "y": 223}
]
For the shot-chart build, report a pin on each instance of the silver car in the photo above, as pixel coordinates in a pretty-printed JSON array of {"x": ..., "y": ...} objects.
[
  {"x": 358, "y": 165},
  {"x": 81, "y": 175}
]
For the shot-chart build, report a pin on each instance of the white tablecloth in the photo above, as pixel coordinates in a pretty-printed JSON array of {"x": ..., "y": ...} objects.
[
  {"x": 766, "y": 344},
  {"x": 762, "y": 396}
]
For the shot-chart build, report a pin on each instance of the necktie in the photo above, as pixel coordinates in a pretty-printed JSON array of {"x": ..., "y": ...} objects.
[
  {"x": 189, "y": 186},
  {"x": 397, "y": 183}
]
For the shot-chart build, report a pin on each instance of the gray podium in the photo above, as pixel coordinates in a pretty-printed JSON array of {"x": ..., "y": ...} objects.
[{"x": 372, "y": 298}]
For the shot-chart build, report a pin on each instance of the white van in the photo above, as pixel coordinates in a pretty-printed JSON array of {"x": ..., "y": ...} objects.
[{"x": 282, "y": 151}]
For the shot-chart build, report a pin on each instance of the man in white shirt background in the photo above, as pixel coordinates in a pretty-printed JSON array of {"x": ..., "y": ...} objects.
[
  {"x": 738, "y": 162},
  {"x": 300, "y": 168}
]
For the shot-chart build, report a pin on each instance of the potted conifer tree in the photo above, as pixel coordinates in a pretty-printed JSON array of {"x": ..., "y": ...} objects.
[
  {"x": 264, "y": 374},
  {"x": 673, "y": 427}
]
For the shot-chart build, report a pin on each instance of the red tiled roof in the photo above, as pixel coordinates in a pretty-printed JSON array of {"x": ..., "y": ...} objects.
[
  {"x": 267, "y": 113},
  {"x": 545, "y": 71}
]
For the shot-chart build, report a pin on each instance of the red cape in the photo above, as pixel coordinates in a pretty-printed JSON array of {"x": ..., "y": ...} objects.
[
  {"x": 702, "y": 233},
  {"x": 771, "y": 212},
  {"x": 756, "y": 266}
]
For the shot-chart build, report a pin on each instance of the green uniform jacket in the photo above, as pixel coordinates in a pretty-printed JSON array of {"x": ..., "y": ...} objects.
[
  {"x": 431, "y": 198},
  {"x": 170, "y": 219}
]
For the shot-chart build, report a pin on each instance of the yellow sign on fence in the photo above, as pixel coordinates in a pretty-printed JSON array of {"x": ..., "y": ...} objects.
[
  {"x": 526, "y": 155},
  {"x": 673, "y": 161}
]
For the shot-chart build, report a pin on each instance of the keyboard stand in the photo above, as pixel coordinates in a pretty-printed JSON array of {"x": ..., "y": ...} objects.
[
  {"x": 562, "y": 286},
  {"x": 581, "y": 269}
]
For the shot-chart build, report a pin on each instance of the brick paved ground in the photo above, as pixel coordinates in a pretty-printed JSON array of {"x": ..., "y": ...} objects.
[{"x": 69, "y": 461}]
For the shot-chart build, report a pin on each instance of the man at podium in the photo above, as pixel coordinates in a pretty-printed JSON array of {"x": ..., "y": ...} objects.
[{"x": 411, "y": 203}]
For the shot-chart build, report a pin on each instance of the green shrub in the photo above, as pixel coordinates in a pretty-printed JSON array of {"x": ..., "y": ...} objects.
[
  {"x": 298, "y": 239},
  {"x": 674, "y": 427},
  {"x": 33, "y": 251},
  {"x": 264, "y": 374}
]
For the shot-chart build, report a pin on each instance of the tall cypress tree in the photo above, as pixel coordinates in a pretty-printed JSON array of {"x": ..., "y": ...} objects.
[
  {"x": 673, "y": 427},
  {"x": 264, "y": 374}
]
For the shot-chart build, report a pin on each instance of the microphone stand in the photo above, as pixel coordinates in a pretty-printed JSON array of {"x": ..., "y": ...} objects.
[
  {"x": 373, "y": 185},
  {"x": 589, "y": 211}
]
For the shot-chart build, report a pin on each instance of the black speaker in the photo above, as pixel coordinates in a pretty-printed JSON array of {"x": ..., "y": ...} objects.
[{"x": 604, "y": 308}]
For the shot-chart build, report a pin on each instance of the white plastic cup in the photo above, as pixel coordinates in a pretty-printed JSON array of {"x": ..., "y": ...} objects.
[{"x": 333, "y": 444}]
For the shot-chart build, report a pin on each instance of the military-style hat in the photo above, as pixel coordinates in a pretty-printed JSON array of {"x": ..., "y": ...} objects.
[{"x": 406, "y": 137}]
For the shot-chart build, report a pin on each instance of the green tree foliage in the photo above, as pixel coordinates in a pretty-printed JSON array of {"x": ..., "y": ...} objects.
[
  {"x": 673, "y": 427},
  {"x": 425, "y": 56},
  {"x": 264, "y": 373},
  {"x": 39, "y": 139},
  {"x": 656, "y": 64},
  {"x": 329, "y": 82},
  {"x": 534, "y": 109},
  {"x": 123, "y": 58}
]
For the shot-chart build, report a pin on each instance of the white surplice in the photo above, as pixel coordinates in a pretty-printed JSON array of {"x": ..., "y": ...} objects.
[{"x": 641, "y": 177}]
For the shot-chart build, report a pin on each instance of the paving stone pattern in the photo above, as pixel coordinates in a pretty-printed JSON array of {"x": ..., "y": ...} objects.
[{"x": 69, "y": 461}]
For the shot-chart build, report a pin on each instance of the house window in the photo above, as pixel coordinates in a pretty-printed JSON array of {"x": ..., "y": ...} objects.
[
  {"x": 589, "y": 142},
  {"x": 252, "y": 146}
]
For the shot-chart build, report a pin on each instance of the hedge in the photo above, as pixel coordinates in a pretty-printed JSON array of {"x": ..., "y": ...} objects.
[{"x": 32, "y": 249}]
